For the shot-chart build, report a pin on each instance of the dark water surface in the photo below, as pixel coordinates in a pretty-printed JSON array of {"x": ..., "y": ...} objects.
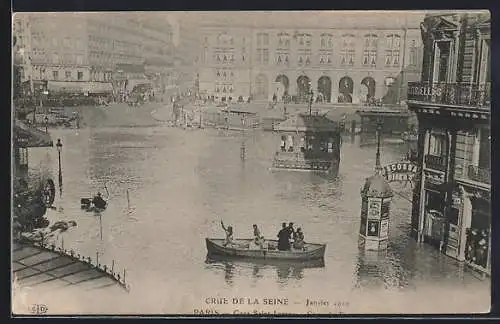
[{"x": 182, "y": 183}]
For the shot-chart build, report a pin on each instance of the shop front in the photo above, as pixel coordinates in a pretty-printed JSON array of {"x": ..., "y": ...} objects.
[
  {"x": 478, "y": 238},
  {"x": 434, "y": 219}
]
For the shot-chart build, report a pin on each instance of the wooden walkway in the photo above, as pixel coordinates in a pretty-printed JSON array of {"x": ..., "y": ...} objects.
[{"x": 36, "y": 266}]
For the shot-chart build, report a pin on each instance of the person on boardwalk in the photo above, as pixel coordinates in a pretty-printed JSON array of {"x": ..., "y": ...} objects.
[
  {"x": 229, "y": 234},
  {"x": 284, "y": 238}
]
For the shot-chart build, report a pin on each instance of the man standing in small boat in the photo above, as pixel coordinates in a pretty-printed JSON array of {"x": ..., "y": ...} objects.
[
  {"x": 229, "y": 234},
  {"x": 284, "y": 238},
  {"x": 99, "y": 202}
]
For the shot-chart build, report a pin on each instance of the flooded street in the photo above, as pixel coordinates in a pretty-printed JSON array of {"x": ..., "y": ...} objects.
[{"x": 182, "y": 183}]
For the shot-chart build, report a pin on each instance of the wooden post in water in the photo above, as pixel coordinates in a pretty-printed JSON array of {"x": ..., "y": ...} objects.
[
  {"x": 128, "y": 200},
  {"x": 124, "y": 275},
  {"x": 97, "y": 258}
]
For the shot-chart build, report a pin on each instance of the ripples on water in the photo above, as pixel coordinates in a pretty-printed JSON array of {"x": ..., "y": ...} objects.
[{"x": 182, "y": 183}]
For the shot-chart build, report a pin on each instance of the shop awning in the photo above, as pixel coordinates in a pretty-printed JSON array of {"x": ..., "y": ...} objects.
[
  {"x": 79, "y": 87},
  {"x": 99, "y": 87},
  {"x": 138, "y": 83},
  {"x": 27, "y": 136}
]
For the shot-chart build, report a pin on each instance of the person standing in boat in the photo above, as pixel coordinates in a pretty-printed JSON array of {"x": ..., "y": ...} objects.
[
  {"x": 298, "y": 242},
  {"x": 98, "y": 201},
  {"x": 229, "y": 234},
  {"x": 284, "y": 238}
]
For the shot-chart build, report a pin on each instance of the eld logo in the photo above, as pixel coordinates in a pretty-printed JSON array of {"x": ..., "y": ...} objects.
[{"x": 38, "y": 309}]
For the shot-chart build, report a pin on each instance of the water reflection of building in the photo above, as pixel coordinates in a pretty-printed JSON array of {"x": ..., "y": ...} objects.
[
  {"x": 452, "y": 102},
  {"x": 346, "y": 58}
]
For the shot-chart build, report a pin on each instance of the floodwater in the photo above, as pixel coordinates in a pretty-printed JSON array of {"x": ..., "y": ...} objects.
[{"x": 182, "y": 183}]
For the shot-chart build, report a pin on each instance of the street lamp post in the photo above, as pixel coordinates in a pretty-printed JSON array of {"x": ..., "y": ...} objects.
[
  {"x": 379, "y": 124},
  {"x": 59, "y": 149},
  {"x": 46, "y": 124}
]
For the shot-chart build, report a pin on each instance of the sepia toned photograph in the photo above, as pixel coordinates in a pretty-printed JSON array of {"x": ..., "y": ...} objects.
[{"x": 258, "y": 163}]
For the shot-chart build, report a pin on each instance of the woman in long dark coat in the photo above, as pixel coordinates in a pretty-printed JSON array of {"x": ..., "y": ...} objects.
[{"x": 284, "y": 238}]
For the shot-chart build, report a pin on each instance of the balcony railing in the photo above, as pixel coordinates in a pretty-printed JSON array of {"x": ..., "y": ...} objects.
[
  {"x": 435, "y": 162},
  {"x": 478, "y": 174},
  {"x": 459, "y": 94}
]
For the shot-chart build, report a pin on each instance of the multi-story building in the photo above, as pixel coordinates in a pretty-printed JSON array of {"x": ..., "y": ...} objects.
[
  {"x": 87, "y": 47},
  {"x": 346, "y": 57},
  {"x": 451, "y": 206}
]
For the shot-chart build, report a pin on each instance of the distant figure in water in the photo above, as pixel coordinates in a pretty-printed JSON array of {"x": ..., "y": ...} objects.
[
  {"x": 298, "y": 242},
  {"x": 284, "y": 238},
  {"x": 229, "y": 234},
  {"x": 98, "y": 201}
]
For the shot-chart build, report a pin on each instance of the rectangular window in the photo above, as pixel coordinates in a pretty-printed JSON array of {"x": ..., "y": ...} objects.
[
  {"x": 80, "y": 75},
  {"x": 67, "y": 75},
  {"x": 436, "y": 145},
  {"x": 55, "y": 75},
  {"x": 79, "y": 59}
]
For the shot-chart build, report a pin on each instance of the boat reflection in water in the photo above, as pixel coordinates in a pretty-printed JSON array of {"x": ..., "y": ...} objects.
[{"x": 285, "y": 269}]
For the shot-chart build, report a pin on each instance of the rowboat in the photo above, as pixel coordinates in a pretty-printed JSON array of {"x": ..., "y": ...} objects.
[{"x": 241, "y": 249}]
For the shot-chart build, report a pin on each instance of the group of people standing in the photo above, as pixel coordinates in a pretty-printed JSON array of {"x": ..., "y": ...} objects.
[
  {"x": 288, "y": 233},
  {"x": 288, "y": 238}
]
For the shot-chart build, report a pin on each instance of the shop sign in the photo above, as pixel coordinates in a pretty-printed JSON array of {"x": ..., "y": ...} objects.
[{"x": 403, "y": 171}]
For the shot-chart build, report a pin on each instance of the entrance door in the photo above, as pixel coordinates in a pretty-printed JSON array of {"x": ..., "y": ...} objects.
[
  {"x": 369, "y": 83},
  {"x": 261, "y": 87},
  {"x": 303, "y": 88},
  {"x": 325, "y": 88},
  {"x": 346, "y": 87}
]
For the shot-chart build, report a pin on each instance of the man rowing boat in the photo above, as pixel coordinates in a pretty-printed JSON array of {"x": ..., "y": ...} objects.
[{"x": 229, "y": 234}]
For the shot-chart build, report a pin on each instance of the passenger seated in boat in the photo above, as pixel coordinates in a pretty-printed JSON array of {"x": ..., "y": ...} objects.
[
  {"x": 258, "y": 239},
  {"x": 299, "y": 240},
  {"x": 98, "y": 201},
  {"x": 229, "y": 234},
  {"x": 284, "y": 238}
]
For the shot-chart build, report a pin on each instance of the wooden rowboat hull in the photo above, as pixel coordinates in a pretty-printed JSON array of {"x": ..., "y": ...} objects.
[{"x": 240, "y": 249}]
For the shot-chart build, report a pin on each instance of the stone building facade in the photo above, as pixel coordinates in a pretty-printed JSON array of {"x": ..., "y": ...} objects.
[
  {"x": 452, "y": 199},
  {"x": 346, "y": 60}
]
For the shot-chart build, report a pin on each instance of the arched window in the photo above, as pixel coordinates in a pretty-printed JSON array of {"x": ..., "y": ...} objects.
[
  {"x": 393, "y": 44},
  {"x": 370, "y": 50}
]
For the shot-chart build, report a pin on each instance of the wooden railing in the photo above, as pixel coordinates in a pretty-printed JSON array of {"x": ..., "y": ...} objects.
[
  {"x": 459, "y": 94},
  {"x": 108, "y": 271}
]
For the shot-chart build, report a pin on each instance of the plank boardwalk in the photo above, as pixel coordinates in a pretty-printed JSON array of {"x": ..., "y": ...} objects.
[{"x": 36, "y": 267}]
